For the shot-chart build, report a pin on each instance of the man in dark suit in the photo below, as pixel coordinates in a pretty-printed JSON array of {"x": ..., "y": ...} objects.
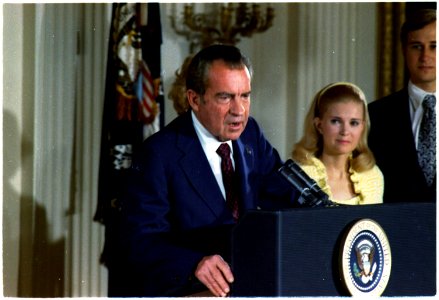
[
  {"x": 396, "y": 136},
  {"x": 176, "y": 215}
]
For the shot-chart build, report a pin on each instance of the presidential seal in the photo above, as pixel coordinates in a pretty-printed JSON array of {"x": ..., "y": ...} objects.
[{"x": 365, "y": 259}]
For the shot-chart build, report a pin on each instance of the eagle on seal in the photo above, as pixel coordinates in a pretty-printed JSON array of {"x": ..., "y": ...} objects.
[{"x": 365, "y": 258}]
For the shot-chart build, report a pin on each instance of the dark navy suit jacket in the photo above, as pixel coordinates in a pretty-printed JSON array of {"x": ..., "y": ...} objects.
[
  {"x": 391, "y": 141},
  {"x": 174, "y": 212}
]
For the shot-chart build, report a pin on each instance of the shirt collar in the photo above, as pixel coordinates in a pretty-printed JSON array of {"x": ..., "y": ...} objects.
[
  {"x": 417, "y": 94},
  {"x": 208, "y": 141}
]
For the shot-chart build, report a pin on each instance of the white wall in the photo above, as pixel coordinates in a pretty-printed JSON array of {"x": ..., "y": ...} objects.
[{"x": 17, "y": 141}]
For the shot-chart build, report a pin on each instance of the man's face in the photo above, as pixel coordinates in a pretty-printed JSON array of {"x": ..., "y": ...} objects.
[
  {"x": 224, "y": 108},
  {"x": 420, "y": 56}
]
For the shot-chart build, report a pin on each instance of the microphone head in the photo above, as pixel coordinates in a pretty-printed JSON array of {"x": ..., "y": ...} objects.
[{"x": 311, "y": 195}]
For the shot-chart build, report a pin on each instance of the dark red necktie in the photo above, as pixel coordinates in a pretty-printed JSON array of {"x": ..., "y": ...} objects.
[{"x": 228, "y": 179}]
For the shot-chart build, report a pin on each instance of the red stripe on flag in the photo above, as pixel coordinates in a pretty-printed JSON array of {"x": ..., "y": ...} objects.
[{"x": 148, "y": 104}]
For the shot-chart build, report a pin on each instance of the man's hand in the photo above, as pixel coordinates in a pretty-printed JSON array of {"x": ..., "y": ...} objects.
[{"x": 215, "y": 274}]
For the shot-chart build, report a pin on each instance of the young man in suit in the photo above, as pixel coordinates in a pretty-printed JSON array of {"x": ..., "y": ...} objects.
[
  {"x": 397, "y": 136},
  {"x": 176, "y": 215}
]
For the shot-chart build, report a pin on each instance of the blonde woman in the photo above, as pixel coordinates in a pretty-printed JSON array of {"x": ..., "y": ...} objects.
[{"x": 333, "y": 150}]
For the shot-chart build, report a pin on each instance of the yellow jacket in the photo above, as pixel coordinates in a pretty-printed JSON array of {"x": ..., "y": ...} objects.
[{"x": 368, "y": 185}]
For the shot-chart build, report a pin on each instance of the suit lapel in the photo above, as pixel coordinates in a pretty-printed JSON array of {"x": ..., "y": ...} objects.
[
  {"x": 244, "y": 162},
  {"x": 197, "y": 169},
  {"x": 408, "y": 139},
  {"x": 199, "y": 174}
]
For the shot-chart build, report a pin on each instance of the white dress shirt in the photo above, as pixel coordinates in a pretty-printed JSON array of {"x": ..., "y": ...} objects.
[
  {"x": 210, "y": 144},
  {"x": 416, "y": 96}
]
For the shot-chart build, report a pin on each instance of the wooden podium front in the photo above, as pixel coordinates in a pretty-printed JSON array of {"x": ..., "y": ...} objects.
[{"x": 296, "y": 252}]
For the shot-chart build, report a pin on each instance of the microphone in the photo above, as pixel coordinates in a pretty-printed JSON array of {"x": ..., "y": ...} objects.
[{"x": 311, "y": 194}]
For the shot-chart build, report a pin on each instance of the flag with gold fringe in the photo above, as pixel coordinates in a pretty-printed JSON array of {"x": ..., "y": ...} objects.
[{"x": 133, "y": 104}]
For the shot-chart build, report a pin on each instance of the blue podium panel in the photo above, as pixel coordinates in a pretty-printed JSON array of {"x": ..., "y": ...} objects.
[{"x": 297, "y": 252}]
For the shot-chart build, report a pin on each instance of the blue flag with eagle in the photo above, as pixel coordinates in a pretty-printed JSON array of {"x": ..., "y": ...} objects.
[{"x": 133, "y": 110}]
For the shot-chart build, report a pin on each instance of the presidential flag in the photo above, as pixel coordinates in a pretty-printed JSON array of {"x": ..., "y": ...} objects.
[{"x": 133, "y": 105}]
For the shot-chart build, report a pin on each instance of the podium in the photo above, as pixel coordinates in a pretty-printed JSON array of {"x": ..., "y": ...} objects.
[{"x": 296, "y": 252}]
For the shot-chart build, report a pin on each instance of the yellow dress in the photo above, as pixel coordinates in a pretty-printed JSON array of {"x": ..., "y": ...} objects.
[{"x": 368, "y": 185}]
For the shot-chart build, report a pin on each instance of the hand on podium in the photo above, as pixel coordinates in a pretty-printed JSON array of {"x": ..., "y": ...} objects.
[{"x": 215, "y": 273}]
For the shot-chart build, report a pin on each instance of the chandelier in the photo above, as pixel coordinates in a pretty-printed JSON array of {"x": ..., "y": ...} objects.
[{"x": 223, "y": 23}]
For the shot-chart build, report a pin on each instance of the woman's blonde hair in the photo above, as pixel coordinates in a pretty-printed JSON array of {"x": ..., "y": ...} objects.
[{"x": 311, "y": 143}]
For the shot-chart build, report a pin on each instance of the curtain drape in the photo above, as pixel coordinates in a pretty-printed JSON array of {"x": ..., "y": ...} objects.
[
  {"x": 390, "y": 66},
  {"x": 70, "y": 60}
]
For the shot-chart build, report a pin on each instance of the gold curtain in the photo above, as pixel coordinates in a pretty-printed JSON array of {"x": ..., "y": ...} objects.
[{"x": 391, "y": 68}]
